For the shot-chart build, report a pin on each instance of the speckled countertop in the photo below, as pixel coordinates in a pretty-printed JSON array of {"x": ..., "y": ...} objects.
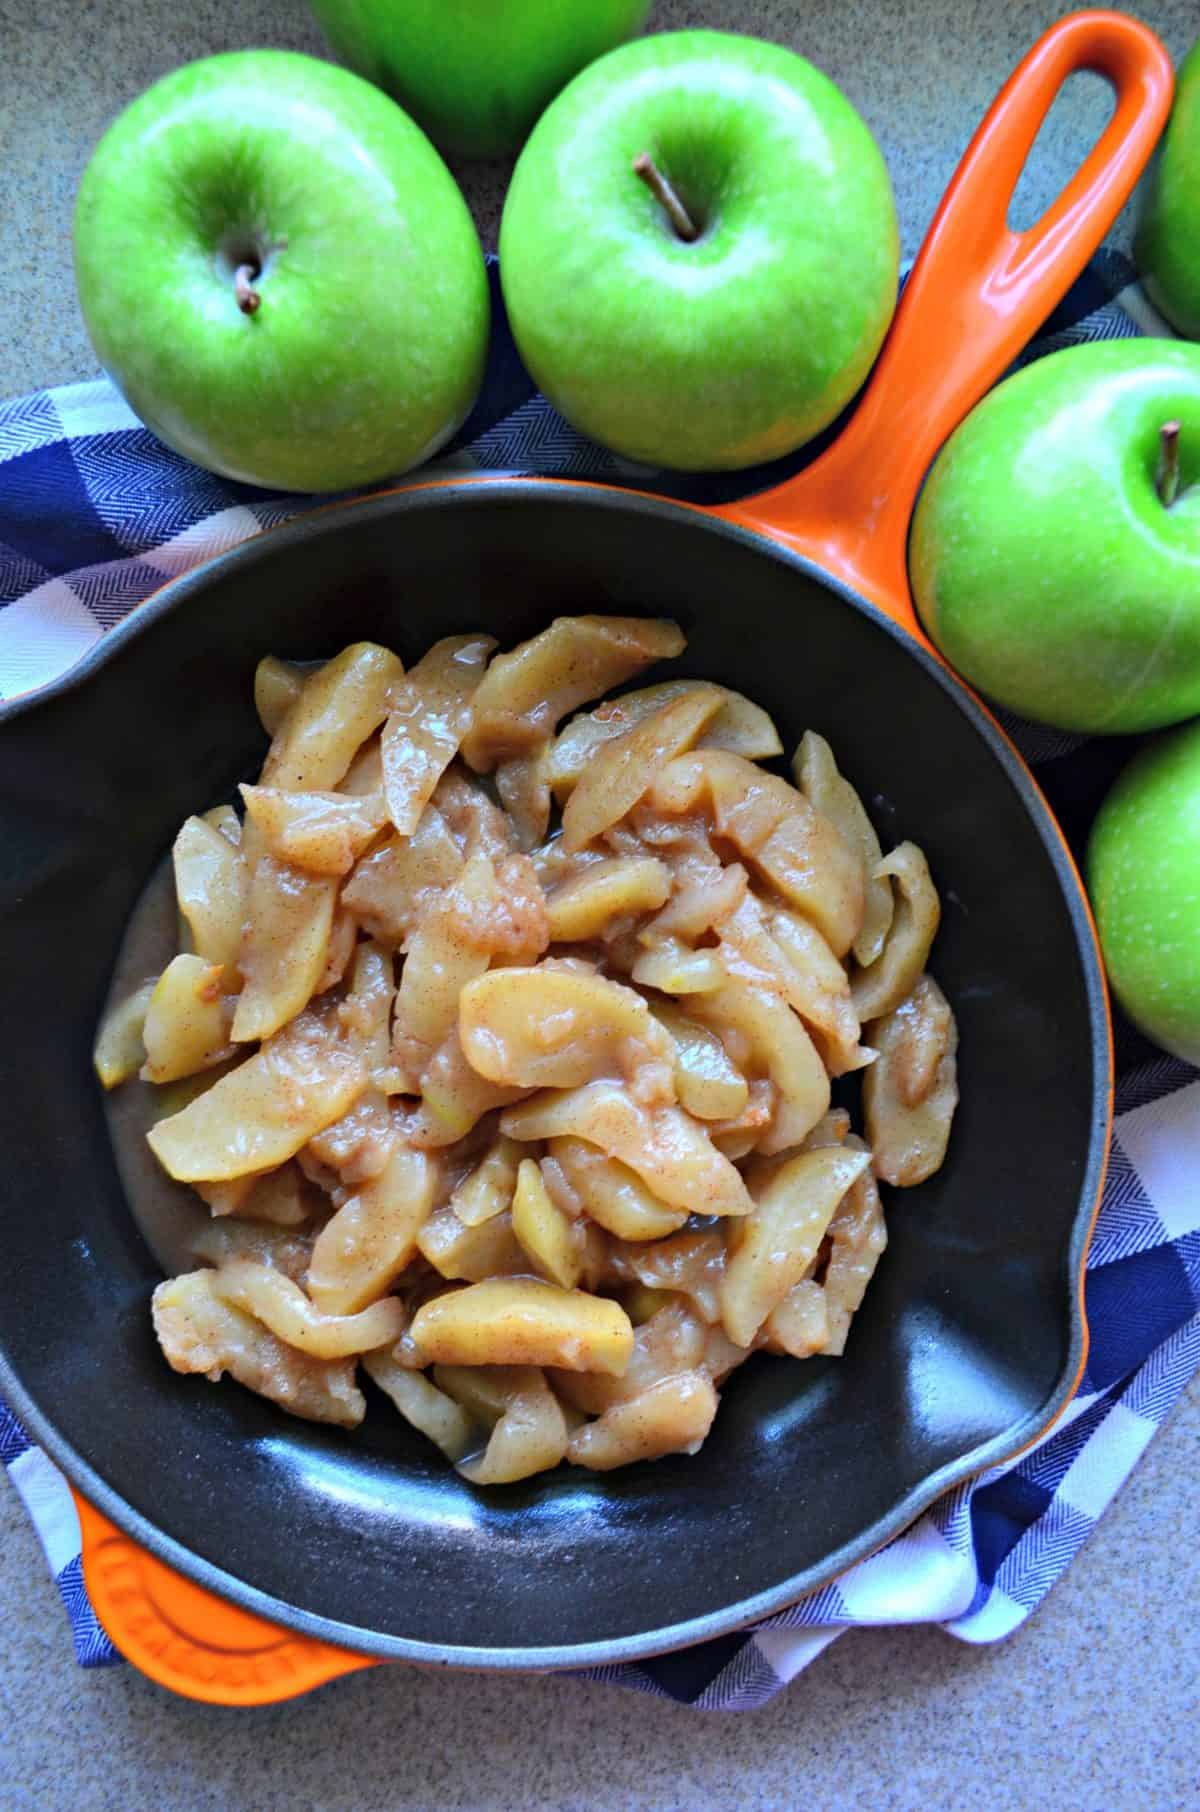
[{"x": 1094, "y": 1703}]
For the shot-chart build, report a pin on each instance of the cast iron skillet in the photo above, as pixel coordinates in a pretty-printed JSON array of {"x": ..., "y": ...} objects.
[{"x": 972, "y": 1336}]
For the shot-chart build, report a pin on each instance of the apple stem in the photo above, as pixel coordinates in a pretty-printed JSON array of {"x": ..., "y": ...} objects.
[
  {"x": 665, "y": 194},
  {"x": 248, "y": 298},
  {"x": 1166, "y": 481}
]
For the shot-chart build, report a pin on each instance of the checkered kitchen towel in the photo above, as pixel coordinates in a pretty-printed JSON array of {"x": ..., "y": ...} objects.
[{"x": 94, "y": 514}]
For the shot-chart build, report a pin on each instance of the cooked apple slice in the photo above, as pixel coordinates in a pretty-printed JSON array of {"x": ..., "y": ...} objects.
[
  {"x": 744, "y": 1134},
  {"x": 420, "y": 1402},
  {"x": 819, "y": 989},
  {"x": 488, "y": 1190},
  {"x": 911, "y": 1092},
  {"x": 523, "y": 1321},
  {"x": 799, "y": 1326},
  {"x": 782, "y": 1050},
  {"x": 672, "y": 1339},
  {"x": 187, "y": 1020},
  {"x": 785, "y": 951},
  {"x": 797, "y": 850},
  {"x": 343, "y": 940},
  {"x": 285, "y": 948},
  {"x": 283, "y": 1307},
  {"x": 429, "y": 715},
  {"x": 263, "y": 1111},
  {"x": 521, "y": 784},
  {"x": 673, "y": 968},
  {"x": 673, "y": 1416},
  {"x": 284, "y": 1197},
  {"x": 543, "y": 1230},
  {"x": 530, "y": 1436},
  {"x": 322, "y": 833},
  {"x": 223, "y": 818},
  {"x": 550, "y": 1027},
  {"x": 483, "y": 1391},
  {"x": 740, "y": 726},
  {"x": 708, "y": 1083},
  {"x": 230, "y": 1197},
  {"x": 687, "y": 1264},
  {"x": 583, "y": 905},
  {"x": 776, "y": 830},
  {"x": 857, "y": 1237},
  {"x": 362, "y": 1249},
  {"x": 357, "y": 1148},
  {"x": 474, "y": 819},
  {"x": 442, "y": 958},
  {"x": 120, "y": 1049},
  {"x": 454, "y": 1097},
  {"x": 210, "y": 887},
  {"x": 613, "y": 1194},
  {"x": 704, "y": 893},
  {"x": 339, "y": 706},
  {"x": 277, "y": 686},
  {"x": 527, "y": 693},
  {"x": 200, "y": 1332},
  {"x": 173, "y": 1097},
  {"x": 893, "y": 975},
  {"x": 489, "y": 1249},
  {"x": 820, "y": 781},
  {"x": 393, "y": 887},
  {"x": 365, "y": 1015},
  {"x": 364, "y": 777},
  {"x": 775, "y": 1246},
  {"x": 621, "y": 771},
  {"x": 672, "y": 1154}
]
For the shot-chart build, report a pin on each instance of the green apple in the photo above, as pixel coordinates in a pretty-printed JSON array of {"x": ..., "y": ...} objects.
[
  {"x": 475, "y": 73},
  {"x": 281, "y": 275},
  {"x": 699, "y": 251},
  {"x": 1055, "y": 553},
  {"x": 1168, "y": 241},
  {"x": 1143, "y": 870}
]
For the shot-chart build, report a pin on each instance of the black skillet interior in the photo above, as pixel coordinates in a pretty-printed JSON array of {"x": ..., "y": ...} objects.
[{"x": 970, "y": 1334}]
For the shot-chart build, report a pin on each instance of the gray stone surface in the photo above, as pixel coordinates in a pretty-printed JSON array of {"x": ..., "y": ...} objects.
[
  {"x": 1091, "y": 1705},
  {"x": 923, "y": 73}
]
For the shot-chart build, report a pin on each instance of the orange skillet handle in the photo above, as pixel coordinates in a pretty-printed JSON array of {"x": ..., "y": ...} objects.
[
  {"x": 189, "y": 1640},
  {"x": 977, "y": 293}
]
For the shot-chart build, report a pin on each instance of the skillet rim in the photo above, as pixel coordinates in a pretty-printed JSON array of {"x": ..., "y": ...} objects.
[{"x": 518, "y": 489}]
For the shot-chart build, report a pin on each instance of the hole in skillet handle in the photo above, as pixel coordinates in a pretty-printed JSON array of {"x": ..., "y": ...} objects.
[{"x": 1077, "y": 118}]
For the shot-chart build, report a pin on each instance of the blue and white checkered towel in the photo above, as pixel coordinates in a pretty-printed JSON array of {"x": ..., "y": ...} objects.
[{"x": 94, "y": 514}]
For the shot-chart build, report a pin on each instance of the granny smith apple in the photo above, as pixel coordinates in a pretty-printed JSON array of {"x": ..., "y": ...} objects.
[
  {"x": 1143, "y": 870},
  {"x": 475, "y": 73},
  {"x": 699, "y": 251},
  {"x": 1168, "y": 241},
  {"x": 281, "y": 275},
  {"x": 1055, "y": 554}
]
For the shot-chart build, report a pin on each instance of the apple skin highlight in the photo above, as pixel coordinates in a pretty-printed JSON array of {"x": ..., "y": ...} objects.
[
  {"x": 1044, "y": 562},
  {"x": 475, "y": 74},
  {"x": 1143, "y": 870},
  {"x": 280, "y": 274},
  {"x": 741, "y": 344},
  {"x": 1168, "y": 240}
]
